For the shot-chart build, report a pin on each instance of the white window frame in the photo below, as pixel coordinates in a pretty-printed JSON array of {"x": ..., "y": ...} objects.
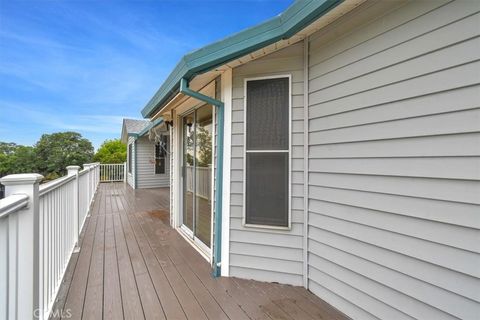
[
  {"x": 155, "y": 159},
  {"x": 245, "y": 151},
  {"x": 129, "y": 156}
]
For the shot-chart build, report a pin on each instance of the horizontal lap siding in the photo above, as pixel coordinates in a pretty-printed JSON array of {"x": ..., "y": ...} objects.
[
  {"x": 130, "y": 175},
  {"x": 394, "y": 162},
  {"x": 146, "y": 177},
  {"x": 262, "y": 254}
]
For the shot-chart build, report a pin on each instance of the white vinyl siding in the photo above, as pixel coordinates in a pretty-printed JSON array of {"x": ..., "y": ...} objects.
[
  {"x": 394, "y": 161},
  {"x": 146, "y": 177},
  {"x": 263, "y": 254}
]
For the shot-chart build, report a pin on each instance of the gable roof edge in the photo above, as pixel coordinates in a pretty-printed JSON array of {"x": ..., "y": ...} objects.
[{"x": 296, "y": 17}]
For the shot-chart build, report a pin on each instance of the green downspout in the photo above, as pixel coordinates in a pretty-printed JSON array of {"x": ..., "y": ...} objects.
[
  {"x": 217, "y": 246},
  {"x": 135, "y": 168}
]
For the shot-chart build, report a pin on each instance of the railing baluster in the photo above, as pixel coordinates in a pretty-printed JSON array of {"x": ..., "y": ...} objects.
[
  {"x": 110, "y": 172},
  {"x": 48, "y": 232}
]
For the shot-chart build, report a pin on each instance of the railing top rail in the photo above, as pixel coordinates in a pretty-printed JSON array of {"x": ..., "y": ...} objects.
[
  {"x": 92, "y": 164},
  {"x": 54, "y": 184},
  {"x": 12, "y": 204}
]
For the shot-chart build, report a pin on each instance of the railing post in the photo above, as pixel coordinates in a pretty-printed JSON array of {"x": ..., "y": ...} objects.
[
  {"x": 98, "y": 177},
  {"x": 73, "y": 171},
  {"x": 89, "y": 179},
  {"x": 124, "y": 172},
  {"x": 24, "y": 289}
]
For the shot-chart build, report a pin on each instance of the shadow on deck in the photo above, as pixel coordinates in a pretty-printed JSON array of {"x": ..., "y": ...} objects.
[{"x": 132, "y": 265}]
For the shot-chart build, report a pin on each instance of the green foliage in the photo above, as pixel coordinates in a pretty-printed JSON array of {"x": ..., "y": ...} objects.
[
  {"x": 58, "y": 150},
  {"x": 204, "y": 147},
  {"x": 16, "y": 159},
  {"x": 111, "y": 151},
  {"x": 50, "y": 156}
]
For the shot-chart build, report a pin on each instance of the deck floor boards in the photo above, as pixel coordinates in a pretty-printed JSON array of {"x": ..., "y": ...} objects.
[{"x": 133, "y": 265}]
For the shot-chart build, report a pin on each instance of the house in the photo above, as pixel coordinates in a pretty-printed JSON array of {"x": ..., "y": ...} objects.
[
  {"x": 336, "y": 146},
  {"x": 147, "y": 153}
]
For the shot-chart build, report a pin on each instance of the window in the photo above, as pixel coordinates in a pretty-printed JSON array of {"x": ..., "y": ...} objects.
[
  {"x": 267, "y": 157},
  {"x": 161, "y": 155},
  {"x": 130, "y": 158}
]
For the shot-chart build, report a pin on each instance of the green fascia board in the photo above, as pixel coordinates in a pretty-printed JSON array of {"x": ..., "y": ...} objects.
[
  {"x": 150, "y": 126},
  {"x": 296, "y": 17},
  {"x": 153, "y": 124}
]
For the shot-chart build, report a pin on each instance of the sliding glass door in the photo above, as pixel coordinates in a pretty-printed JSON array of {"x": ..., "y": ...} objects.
[{"x": 197, "y": 173}]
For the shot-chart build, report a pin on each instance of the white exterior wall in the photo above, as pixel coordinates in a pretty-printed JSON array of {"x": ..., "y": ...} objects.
[
  {"x": 394, "y": 162},
  {"x": 130, "y": 176},
  {"x": 267, "y": 254},
  {"x": 146, "y": 177}
]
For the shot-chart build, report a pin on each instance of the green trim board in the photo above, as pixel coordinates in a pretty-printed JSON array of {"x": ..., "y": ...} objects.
[
  {"x": 136, "y": 163},
  {"x": 152, "y": 125},
  {"x": 296, "y": 17}
]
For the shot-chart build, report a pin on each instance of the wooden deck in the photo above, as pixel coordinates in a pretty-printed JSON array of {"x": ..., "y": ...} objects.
[{"x": 132, "y": 265}]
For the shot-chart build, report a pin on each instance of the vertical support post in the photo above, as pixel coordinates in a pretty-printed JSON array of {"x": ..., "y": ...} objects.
[
  {"x": 306, "y": 66},
  {"x": 89, "y": 181},
  {"x": 125, "y": 172},
  {"x": 25, "y": 289},
  {"x": 98, "y": 177},
  {"x": 73, "y": 171}
]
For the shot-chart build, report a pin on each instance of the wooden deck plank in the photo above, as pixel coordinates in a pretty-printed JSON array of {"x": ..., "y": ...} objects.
[
  {"x": 202, "y": 271},
  {"x": 78, "y": 287},
  {"x": 236, "y": 295},
  {"x": 200, "y": 267},
  {"x": 206, "y": 300},
  {"x": 265, "y": 302},
  {"x": 324, "y": 309},
  {"x": 188, "y": 301},
  {"x": 232, "y": 298},
  {"x": 112, "y": 296},
  {"x": 93, "y": 308},
  {"x": 283, "y": 302},
  {"x": 132, "y": 308},
  {"x": 150, "y": 302},
  {"x": 133, "y": 265},
  {"x": 168, "y": 300}
]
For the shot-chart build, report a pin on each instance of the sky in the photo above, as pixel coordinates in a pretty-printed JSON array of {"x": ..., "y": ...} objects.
[{"x": 84, "y": 65}]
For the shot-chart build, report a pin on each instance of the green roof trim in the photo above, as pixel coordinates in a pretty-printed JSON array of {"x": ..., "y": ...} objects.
[
  {"x": 152, "y": 125},
  {"x": 296, "y": 17}
]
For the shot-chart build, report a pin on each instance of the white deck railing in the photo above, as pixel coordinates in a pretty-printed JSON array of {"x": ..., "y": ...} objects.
[
  {"x": 39, "y": 230},
  {"x": 203, "y": 181},
  {"x": 113, "y": 172}
]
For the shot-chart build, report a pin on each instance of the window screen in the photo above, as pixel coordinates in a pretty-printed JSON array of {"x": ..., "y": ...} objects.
[
  {"x": 161, "y": 155},
  {"x": 267, "y": 189},
  {"x": 129, "y": 158},
  {"x": 267, "y": 152},
  {"x": 267, "y": 114}
]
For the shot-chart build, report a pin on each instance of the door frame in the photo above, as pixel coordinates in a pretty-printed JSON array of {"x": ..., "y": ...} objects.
[{"x": 188, "y": 234}]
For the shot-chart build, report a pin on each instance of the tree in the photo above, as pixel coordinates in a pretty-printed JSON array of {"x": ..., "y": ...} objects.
[
  {"x": 16, "y": 159},
  {"x": 56, "y": 151},
  {"x": 204, "y": 147},
  {"x": 111, "y": 151}
]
